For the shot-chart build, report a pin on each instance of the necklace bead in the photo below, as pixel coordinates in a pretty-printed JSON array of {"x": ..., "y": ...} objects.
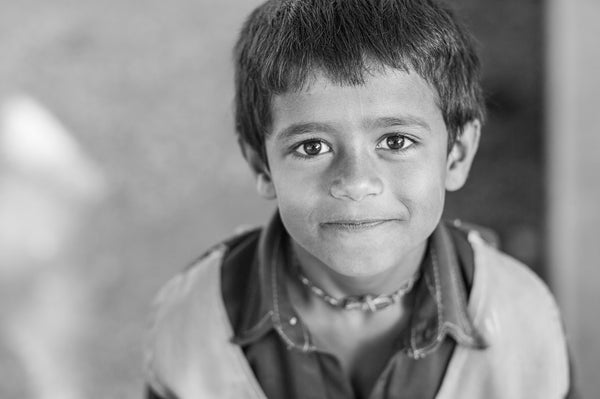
[{"x": 365, "y": 303}]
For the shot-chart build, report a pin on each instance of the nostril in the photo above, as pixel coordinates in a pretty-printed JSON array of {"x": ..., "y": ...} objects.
[{"x": 356, "y": 189}]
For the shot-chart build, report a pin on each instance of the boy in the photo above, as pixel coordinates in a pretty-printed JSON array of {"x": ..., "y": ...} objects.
[{"x": 356, "y": 116}]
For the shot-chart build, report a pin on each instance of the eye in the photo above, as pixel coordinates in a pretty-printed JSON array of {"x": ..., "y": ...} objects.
[
  {"x": 395, "y": 142},
  {"x": 312, "y": 148}
]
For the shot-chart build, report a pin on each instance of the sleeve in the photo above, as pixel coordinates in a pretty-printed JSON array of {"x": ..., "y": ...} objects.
[
  {"x": 151, "y": 394},
  {"x": 154, "y": 339}
]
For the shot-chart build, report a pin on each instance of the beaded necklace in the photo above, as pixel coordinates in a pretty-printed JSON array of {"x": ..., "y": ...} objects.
[{"x": 365, "y": 303}]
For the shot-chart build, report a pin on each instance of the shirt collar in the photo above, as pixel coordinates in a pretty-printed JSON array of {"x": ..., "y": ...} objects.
[
  {"x": 439, "y": 307},
  {"x": 268, "y": 305},
  {"x": 440, "y": 300}
]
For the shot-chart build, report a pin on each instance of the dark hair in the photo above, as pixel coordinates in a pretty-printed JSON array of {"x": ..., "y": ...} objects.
[{"x": 284, "y": 42}]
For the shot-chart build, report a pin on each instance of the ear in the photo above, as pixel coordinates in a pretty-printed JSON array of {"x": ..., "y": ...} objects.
[
  {"x": 461, "y": 155},
  {"x": 264, "y": 184}
]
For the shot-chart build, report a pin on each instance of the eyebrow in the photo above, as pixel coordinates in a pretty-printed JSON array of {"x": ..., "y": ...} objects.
[
  {"x": 390, "y": 121},
  {"x": 303, "y": 128}
]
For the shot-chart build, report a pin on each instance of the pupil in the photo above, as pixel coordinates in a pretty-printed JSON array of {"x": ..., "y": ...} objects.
[
  {"x": 395, "y": 142},
  {"x": 312, "y": 148}
]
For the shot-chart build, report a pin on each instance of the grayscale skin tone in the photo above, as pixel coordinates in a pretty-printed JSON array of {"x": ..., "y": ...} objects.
[{"x": 359, "y": 174}]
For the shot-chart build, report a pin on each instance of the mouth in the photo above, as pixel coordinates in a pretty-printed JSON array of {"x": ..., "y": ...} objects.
[{"x": 355, "y": 225}]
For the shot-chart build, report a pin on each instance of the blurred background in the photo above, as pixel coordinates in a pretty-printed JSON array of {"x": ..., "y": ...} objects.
[{"x": 119, "y": 166}]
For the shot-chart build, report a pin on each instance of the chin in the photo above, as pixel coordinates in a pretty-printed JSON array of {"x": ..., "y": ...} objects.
[
  {"x": 358, "y": 266},
  {"x": 373, "y": 258}
]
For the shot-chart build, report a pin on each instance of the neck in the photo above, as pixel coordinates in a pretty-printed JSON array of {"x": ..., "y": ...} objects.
[{"x": 340, "y": 285}]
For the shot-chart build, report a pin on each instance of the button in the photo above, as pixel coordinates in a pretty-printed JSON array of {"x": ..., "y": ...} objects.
[{"x": 293, "y": 321}]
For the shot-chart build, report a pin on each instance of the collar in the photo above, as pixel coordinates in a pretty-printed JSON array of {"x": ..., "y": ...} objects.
[
  {"x": 439, "y": 307},
  {"x": 440, "y": 300}
]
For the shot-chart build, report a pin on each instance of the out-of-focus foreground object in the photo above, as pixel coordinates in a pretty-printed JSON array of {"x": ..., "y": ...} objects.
[
  {"x": 47, "y": 185},
  {"x": 573, "y": 121}
]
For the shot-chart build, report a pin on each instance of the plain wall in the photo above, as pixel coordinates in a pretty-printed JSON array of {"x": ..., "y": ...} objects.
[{"x": 573, "y": 164}]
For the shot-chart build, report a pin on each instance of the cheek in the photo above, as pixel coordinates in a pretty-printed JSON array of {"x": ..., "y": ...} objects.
[
  {"x": 296, "y": 217},
  {"x": 297, "y": 184},
  {"x": 422, "y": 190},
  {"x": 295, "y": 195},
  {"x": 299, "y": 199}
]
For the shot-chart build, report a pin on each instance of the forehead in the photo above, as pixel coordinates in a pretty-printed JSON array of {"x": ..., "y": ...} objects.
[{"x": 386, "y": 94}]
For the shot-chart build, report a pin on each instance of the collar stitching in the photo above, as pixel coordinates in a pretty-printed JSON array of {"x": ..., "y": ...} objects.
[
  {"x": 419, "y": 352},
  {"x": 462, "y": 300},
  {"x": 259, "y": 323},
  {"x": 277, "y": 324},
  {"x": 465, "y": 330},
  {"x": 459, "y": 332}
]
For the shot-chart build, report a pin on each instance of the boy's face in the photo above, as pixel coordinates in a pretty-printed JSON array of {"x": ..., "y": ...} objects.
[{"x": 360, "y": 172}]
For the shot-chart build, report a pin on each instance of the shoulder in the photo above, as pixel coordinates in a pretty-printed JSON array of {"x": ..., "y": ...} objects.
[
  {"x": 502, "y": 279},
  {"x": 505, "y": 288},
  {"x": 497, "y": 274},
  {"x": 517, "y": 315},
  {"x": 187, "y": 308},
  {"x": 192, "y": 283}
]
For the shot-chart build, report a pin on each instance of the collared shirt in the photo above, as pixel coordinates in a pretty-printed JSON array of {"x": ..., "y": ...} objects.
[{"x": 278, "y": 345}]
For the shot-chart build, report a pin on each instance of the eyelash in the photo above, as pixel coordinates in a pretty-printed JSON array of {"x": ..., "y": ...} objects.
[
  {"x": 408, "y": 142},
  {"x": 297, "y": 147}
]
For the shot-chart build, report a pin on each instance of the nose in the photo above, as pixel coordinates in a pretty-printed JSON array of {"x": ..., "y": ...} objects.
[{"x": 355, "y": 178}]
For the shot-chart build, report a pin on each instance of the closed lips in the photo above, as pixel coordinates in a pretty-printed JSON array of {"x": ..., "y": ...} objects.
[{"x": 355, "y": 224}]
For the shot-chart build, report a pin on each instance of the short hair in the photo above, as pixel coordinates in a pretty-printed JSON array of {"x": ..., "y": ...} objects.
[{"x": 283, "y": 43}]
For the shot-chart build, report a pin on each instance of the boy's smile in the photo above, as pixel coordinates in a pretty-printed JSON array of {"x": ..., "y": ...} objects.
[{"x": 360, "y": 172}]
